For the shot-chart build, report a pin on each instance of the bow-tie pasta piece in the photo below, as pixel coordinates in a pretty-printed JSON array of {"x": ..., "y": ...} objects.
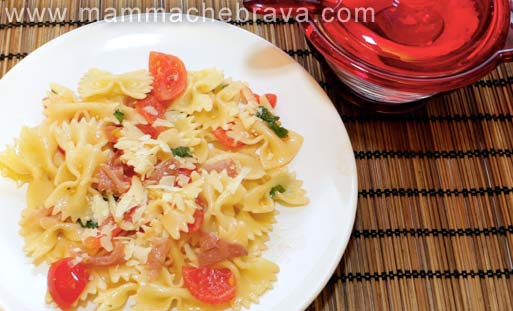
[{"x": 98, "y": 83}]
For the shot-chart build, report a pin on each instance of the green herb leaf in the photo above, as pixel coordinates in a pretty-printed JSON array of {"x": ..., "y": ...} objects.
[
  {"x": 119, "y": 115},
  {"x": 182, "y": 152},
  {"x": 264, "y": 114},
  {"x": 276, "y": 189},
  {"x": 280, "y": 131},
  {"x": 89, "y": 224},
  {"x": 53, "y": 91},
  {"x": 272, "y": 122}
]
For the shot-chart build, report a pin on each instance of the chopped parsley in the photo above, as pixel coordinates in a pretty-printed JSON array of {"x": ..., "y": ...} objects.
[
  {"x": 89, "y": 224},
  {"x": 280, "y": 131},
  {"x": 276, "y": 189},
  {"x": 264, "y": 114},
  {"x": 273, "y": 122},
  {"x": 53, "y": 91},
  {"x": 182, "y": 152},
  {"x": 119, "y": 115}
]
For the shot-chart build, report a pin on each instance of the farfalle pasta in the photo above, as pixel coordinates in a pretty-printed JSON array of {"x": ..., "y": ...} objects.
[{"x": 155, "y": 190}]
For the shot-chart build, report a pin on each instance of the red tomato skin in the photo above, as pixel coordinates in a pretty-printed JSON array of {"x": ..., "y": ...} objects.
[
  {"x": 272, "y": 98},
  {"x": 66, "y": 282},
  {"x": 169, "y": 74},
  {"x": 226, "y": 140},
  {"x": 199, "y": 216},
  {"x": 150, "y": 108},
  {"x": 153, "y": 131},
  {"x": 210, "y": 285}
]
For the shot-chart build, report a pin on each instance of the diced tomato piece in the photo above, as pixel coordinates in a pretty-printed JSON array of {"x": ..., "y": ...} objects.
[
  {"x": 226, "y": 140},
  {"x": 153, "y": 131},
  {"x": 66, "y": 282},
  {"x": 272, "y": 98},
  {"x": 169, "y": 74},
  {"x": 127, "y": 216},
  {"x": 199, "y": 215},
  {"x": 117, "y": 231},
  {"x": 93, "y": 243},
  {"x": 150, "y": 108},
  {"x": 113, "y": 133},
  {"x": 184, "y": 171},
  {"x": 201, "y": 202},
  {"x": 61, "y": 151},
  {"x": 210, "y": 285}
]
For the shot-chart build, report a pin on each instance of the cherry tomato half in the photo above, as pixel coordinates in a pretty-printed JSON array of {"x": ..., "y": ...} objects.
[
  {"x": 210, "y": 285},
  {"x": 66, "y": 282},
  {"x": 169, "y": 74},
  {"x": 272, "y": 98},
  {"x": 226, "y": 140},
  {"x": 150, "y": 108}
]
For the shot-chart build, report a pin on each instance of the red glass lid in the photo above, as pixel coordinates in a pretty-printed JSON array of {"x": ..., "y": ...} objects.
[{"x": 423, "y": 39}]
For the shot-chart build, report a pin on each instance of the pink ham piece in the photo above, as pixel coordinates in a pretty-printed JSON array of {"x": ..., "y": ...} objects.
[
  {"x": 228, "y": 164},
  {"x": 213, "y": 249},
  {"x": 116, "y": 257},
  {"x": 168, "y": 168},
  {"x": 113, "y": 177},
  {"x": 157, "y": 256},
  {"x": 164, "y": 168}
]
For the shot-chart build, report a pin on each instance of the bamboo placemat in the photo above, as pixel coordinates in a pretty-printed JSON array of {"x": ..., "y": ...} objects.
[{"x": 434, "y": 229}]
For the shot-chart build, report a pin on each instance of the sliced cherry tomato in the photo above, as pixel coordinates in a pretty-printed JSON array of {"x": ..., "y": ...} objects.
[
  {"x": 150, "y": 108},
  {"x": 226, "y": 140},
  {"x": 210, "y": 285},
  {"x": 199, "y": 216},
  {"x": 169, "y": 74},
  {"x": 153, "y": 131},
  {"x": 66, "y": 282},
  {"x": 272, "y": 98}
]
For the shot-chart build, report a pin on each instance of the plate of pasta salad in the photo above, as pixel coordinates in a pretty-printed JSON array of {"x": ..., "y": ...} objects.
[{"x": 169, "y": 166}]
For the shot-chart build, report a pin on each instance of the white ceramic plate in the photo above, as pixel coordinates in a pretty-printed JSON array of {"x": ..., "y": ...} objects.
[{"x": 307, "y": 243}]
